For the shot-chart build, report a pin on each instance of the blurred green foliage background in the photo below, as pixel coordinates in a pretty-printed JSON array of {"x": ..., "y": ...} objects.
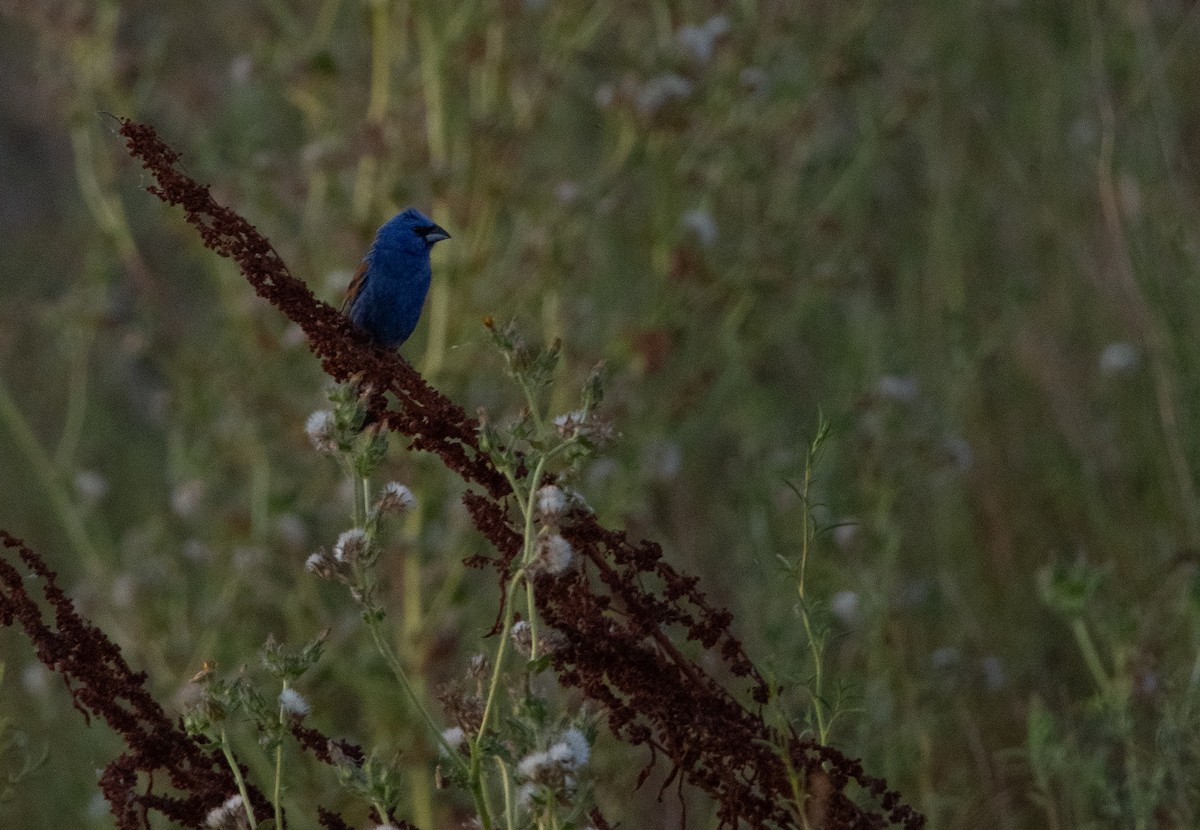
[{"x": 968, "y": 233}]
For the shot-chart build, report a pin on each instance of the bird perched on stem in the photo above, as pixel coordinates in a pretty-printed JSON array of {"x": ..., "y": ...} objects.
[{"x": 387, "y": 293}]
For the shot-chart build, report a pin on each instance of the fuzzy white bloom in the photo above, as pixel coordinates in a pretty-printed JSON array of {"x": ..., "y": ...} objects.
[
  {"x": 90, "y": 486},
  {"x": 897, "y": 388},
  {"x": 566, "y": 192},
  {"x": 35, "y": 679},
  {"x": 525, "y": 794},
  {"x": 698, "y": 41},
  {"x": 944, "y": 658},
  {"x": 570, "y": 423},
  {"x": 605, "y": 95},
  {"x": 396, "y": 498},
  {"x": 226, "y": 814},
  {"x": 454, "y": 737},
  {"x": 845, "y": 605},
  {"x": 572, "y": 750},
  {"x": 561, "y": 754},
  {"x": 350, "y": 545},
  {"x": 315, "y": 563},
  {"x": 659, "y": 91},
  {"x": 1119, "y": 358},
  {"x": 556, "y": 554},
  {"x": 994, "y": 676},
  {"x": 293, "y": 702},
  {"x": 196, "y": 551},
  {"x": 702, "y": 225},
  {"x": 124, "y": 590},
  {"x": 664, "y": 460},
  {"x": 240, "y": 68},
  {"x": 291, "y": 530},
  {"x": 522, "y": 637},
  {"x": 320, "y": 428},
  {"x": 532, "y": 764},
  {"x": 188, "y": 498},
  {"x": 846, "y": 533},
  {"x": 551, "y": 501}
]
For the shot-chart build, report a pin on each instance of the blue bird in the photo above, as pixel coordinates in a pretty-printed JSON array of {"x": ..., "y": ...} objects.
[{"x": 388, "y": 290}]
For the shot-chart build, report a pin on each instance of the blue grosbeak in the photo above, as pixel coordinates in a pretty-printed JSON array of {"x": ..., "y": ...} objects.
[{"x": 387, "y": 293}]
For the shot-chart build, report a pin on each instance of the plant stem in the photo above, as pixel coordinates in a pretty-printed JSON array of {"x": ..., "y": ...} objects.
[
  {"x": 279, "y": 763},
  {"x": 237, "y": 777},
  {"x": 493, "y": 685},
  {"x": 814, "y": 646},
  {"x": 533, "y": 638},
  {"x": 528, "y": 552},
  {"x": 818, "y": 699},
  {"x": 48, "y": 478},
  {"x": 362, "y": 497},
  {"x": 506, "y": 782},
  {"x": 531, "y": 402},
  {"x": 1091, "y": 657},
  {"x": 373, "y": 621}
]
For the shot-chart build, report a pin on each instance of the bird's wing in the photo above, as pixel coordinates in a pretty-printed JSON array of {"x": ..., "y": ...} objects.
[{"x": 356, "y": 285}]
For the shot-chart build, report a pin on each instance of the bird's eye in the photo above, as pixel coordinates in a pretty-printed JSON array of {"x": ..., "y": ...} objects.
[{"x": 424, "y": 230}]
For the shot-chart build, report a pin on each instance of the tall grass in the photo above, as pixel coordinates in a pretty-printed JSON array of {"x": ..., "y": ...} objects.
[{"x": 967, "y": 235}]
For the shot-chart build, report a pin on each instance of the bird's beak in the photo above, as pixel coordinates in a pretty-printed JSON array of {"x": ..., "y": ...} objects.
[{"x": 435, "y": 234}]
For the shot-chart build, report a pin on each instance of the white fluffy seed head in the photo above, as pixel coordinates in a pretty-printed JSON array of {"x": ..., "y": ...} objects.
[
  {"x": 350, "y": 545},
  {"x": 396, "y": 498},
  {"x": 556, "y": 554},
  {"x": 531, "y": 764},
  {"x": 551, "y": 501},
  {"x": 320, "y": 428},
  {"x": 293, "y": 702},
  {"x": 572, "y": 750},
  {"x": 454, "y": 737}
]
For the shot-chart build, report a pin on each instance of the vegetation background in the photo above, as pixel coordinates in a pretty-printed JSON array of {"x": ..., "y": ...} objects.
[{"x": 968, "y": 233}]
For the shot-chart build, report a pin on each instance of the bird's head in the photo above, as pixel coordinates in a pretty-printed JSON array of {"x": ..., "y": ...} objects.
[{"x": 409, "y": 230}]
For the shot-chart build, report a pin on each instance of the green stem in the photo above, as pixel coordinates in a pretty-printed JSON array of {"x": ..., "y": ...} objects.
[
  {"x": 529, "y": 551},
  {"x": 77, "y": 396},
  {"x": 534, "y": 409},
  {"x": 510, "y": 818},
  {"x": 528, "y": 509},
  {"x": 1091, "y": 657},
  {"x": 533, "y": 638},
  {"x": 362, "y": 495},
  {"x": 477, "y": 791},
  {"x": 379, "y": 810},
  {"x": 815, "y": 651},
  {"x": 505, "y": 635},
  {"x": 237, "y": 777},
  {"x": 101, "y": 200},
  {"x": 47, "y": 477},
  {"x": 408, "y": 639},
  {"x": 389, "y": 656},
  {"x": 814, "y": 647},
  {"x": 807, "y": 523},
  {"x": 474, "y": 772},
  {"x": 279, "y": 763}
]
